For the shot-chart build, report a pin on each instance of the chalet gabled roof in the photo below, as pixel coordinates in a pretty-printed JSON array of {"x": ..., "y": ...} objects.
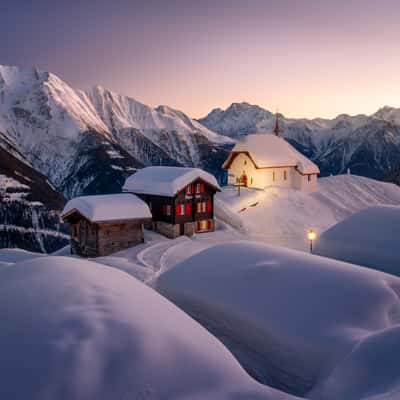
[
  {"x": 268, "y": 150},
  {"x": 166, "y": 181},
  {"x": 109, "y": 207}
]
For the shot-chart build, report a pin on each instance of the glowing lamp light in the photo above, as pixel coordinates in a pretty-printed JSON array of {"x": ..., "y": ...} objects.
[{"x": 311, "y": 235}]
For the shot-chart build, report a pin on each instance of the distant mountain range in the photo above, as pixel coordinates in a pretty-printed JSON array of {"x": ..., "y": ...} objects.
[
  {"x": 367, "y": 145},
  {"x": 89, "y": 142},
  {"x": 57, "y": 142}
]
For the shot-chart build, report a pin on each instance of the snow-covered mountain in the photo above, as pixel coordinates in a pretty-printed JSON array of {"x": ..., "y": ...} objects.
[
  {"x": 368, "y": 145},
  {"x": 29, "y": 205},
  {"x": 87, "y": 142}
]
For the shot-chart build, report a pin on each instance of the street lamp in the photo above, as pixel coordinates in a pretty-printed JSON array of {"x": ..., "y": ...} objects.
[{"x": 311, "y": 235}]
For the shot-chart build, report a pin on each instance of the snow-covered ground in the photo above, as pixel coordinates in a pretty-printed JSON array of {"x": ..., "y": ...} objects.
[
  {"x": 369, "y": 237},
  {"x": 283, "y": 216},
  {"x": 72, "y": 329},
  {"x": 304, "y": 324}
]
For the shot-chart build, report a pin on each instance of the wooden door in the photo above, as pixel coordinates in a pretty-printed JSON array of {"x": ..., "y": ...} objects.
[{"x": 244, "y": 179}]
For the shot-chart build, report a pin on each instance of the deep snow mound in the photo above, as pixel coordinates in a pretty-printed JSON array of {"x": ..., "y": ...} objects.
[
  {"x": 290, "y": 318},
  {"x": 72, "y": 329},
  {"x": 369, "y": 237}
]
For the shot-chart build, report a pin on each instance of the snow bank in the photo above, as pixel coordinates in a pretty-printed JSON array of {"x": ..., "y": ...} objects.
[
  {"x": 109, "y": 207},
  {"x": 370, "y": 371},
  {"x": 17, "y": 255},
  {"x": 74, "y": 330},
  {"x": 369, "y": 237},
  {"x": 166, "y": 181},
  {"x": 289, "y": 317}
]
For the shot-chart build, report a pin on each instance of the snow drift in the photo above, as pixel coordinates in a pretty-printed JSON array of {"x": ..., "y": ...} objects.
[
  {"x": 74, "y": 330},
  {"x": 369, "y": 237},
  {"x": 292, "y": 319}
]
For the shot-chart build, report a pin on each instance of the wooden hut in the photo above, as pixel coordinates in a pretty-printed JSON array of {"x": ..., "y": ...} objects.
[
  {"x": 102, "y": 225},
  {"x": 180, "y": 199}
]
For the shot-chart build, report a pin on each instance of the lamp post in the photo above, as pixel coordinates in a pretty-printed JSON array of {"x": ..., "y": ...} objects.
[{"x": 311, "y": 235}]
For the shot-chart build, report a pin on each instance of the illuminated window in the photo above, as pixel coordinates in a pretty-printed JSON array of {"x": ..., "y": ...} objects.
[
  {"x": 201, "y": 207},
  {"x": 202, "y": 225}
]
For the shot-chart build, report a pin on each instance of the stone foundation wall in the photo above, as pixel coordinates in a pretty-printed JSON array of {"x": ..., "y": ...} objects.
[
  {"x": 169, "y": 230},
  {"x": 173, "y": 230},
  {"x": 190, "y": 228}
]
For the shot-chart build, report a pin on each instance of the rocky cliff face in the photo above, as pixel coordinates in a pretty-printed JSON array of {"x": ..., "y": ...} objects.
[{"x": 29, "y": 206}]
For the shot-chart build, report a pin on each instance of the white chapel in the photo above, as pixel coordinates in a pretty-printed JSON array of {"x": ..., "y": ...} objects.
[{"x": 266, "y": 159}]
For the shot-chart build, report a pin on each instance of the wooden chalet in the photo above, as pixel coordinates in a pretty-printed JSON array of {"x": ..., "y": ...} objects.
[
  {"x": 181, "y": 199},
  {"x": 102, "y": 225}
]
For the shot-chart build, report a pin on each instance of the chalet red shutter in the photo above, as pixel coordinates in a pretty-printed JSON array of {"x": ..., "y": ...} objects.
[
  {"x": 208, "y": 206},
  {"x": 187, "y": 209},
  {"x": 192, "y": 187},
  {"x": 209, "y": 226},
  {"x": 178, "y": 209},
  {"x": 165, "y": 209},
  {"x": 201, "y": 187}
]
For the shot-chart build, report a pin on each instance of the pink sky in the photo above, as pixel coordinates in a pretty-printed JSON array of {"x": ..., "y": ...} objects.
[{"x": 307, "y": 58}]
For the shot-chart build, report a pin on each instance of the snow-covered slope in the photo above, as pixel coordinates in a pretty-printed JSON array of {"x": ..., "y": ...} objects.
[
  {"x": 29, "y": 205},
  {"x": 67, "y": 133},
  {"x": 309, "y": 325},
  {"x": 369, "y": 237},
  {"x": 368, "y": 145},
  {"x": 72, "y": 329},
  {"x": 283, "y": 216}
]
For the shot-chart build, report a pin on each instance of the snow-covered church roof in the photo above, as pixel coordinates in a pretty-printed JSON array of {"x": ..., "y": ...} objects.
[
  {"x": 109, "y": 207},
  {"x": 166, "y": 181},
  {"x": 269, "y": 150}
]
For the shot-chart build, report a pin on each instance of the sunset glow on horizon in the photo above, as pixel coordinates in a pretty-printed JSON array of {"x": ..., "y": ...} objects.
[{"x": 307, "y": 58}]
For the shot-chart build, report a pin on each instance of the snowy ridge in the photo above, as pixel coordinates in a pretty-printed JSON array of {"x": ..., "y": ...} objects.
[
  {"x": 368, "y": 145},
  {"x": 64, "y": 132}
]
